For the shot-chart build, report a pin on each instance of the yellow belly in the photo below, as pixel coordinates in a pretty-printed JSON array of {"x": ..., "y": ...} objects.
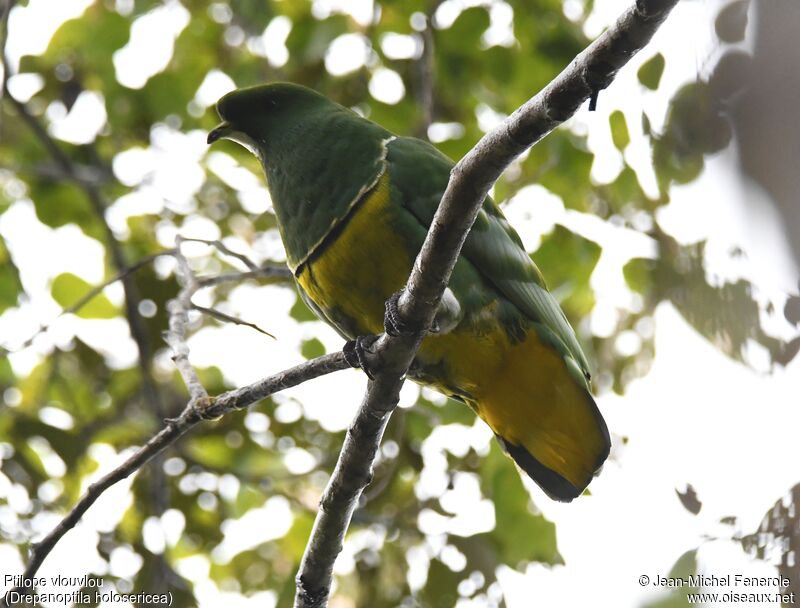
[
  {"x": 358, "y": 271},
  {"x": 523, "y": 389}
]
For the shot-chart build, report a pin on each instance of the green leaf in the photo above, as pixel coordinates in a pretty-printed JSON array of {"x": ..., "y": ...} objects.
[
  {"x": 440, "y": 589},
  {"x": 61, "y": 203},
  {"x": 647, "y": 128},
  {"x": 469, "y": 26},
  {"x": 521, "y": 534},
  {"x": 9, "y": 279},
  {"x": 301, "y": 312},
  {"x": 791, "y": 310},
  {"x": 77, "y": 40},
  {"x": 619, "y": 130},
  {"x": 695, "y": 127},
  {"x": 567, "y": 260},
  {"x": 563, "y": 165},
  {"x": 685, "y": 567},
  {"x": 247, "y": 460},
  {"x": 650, "y": 72},
  {"x": 311, "y": 349},
  {"x": 638, "y": 274},
  {"x": 68, "y": 290},
  {"x": 7, "y": 377},
  {"x": 294, "y": 542}
]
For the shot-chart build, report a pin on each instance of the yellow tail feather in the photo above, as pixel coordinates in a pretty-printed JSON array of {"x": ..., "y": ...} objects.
[{"x": 547, "y": 422}]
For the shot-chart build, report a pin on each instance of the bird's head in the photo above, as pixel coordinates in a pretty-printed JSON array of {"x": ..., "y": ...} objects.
[
  {"x": 256, "y": 116},
  {"x": 318, "y": 157}
]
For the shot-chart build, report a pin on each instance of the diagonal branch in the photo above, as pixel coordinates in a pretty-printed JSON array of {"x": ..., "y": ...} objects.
[
  {"x": 85, "y": 299},
  {"x": 200, "y": 407},
  {"x": 226, "y": 318},
  {"x": 273, "y": 273},
  {"x": 470, "y": 181},
  {"x": 191, "y": 416},
  {"x": 98, "y": 203},
  {"x": 222, "y": 248}
]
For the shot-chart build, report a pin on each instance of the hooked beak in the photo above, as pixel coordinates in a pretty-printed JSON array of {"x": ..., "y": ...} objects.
[{"x": 220, "y": 132}]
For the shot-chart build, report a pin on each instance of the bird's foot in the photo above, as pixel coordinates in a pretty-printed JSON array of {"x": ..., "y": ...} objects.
[
  {"x": 392, "y": 323},
  {"x": 355, "y": 353}
]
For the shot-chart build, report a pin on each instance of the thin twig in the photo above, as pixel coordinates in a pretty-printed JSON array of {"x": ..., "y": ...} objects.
[
  {"x": 85, "y": 299},
  {"x": 176, "y": 337},
  {"x": 425, "y": 74},
  {"x": 469, "y": 184},
  {"x": 226, "y": 318},
  {"x": 190, "y": 417},
  {"x": 132, "y": 299},
  {"x": 273, "y": 272},
  {"x": 220, "y": 246},
  {"x": 99, "y": 205}
]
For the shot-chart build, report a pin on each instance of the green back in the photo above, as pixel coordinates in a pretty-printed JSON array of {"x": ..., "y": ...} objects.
[{"x": 493, "y": 247}]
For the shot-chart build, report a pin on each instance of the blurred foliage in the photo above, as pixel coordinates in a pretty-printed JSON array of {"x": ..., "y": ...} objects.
[
  {"x": 684, "y": 567},
  {"x": 78, "y": 402},
  {"x": 777, "y": 539}
]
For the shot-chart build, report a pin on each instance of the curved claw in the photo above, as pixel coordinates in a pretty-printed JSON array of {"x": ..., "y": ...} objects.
[
  {"x": 354, "y": 352},
  {"x": 393, "y": 325}
]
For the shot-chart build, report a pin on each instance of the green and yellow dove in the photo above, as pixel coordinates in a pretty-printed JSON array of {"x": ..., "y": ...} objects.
[{"x": 354, "y": 203}]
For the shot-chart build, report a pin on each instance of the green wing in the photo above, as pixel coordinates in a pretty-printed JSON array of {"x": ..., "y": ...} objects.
[{"x": 421, "y": 174}]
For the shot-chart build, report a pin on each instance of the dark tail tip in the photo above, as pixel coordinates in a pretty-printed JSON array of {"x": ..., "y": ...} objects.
[{"x": 553, "y": 484}]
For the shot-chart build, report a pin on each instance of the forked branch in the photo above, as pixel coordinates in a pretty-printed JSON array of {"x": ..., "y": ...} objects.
[{"x": 470, "y": 181}]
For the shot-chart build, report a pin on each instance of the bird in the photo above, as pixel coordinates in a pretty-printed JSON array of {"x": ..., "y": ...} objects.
[{"x": 353, "y": 204}]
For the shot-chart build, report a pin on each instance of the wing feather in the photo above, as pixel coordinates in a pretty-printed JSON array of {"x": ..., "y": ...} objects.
[{"x": 421, "y": 173}]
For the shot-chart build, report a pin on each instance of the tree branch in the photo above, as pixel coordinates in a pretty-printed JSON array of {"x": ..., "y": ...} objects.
[
  {"x": 5, "y": 12},
  {"x": 222, "y": 248},
  {"x": 191, "y": 416},
  {"x": 132, "y": 299},
  {"x": 226, "y": 318},
  {"x": 273, "y": 273},
  {"x": 199, "y": 407},
  {"x": 99, "y": 205},
  {"x": 425, "y": 74},
  {"x": 85, "y": 299},
  {"x": 470, "y": 181},
  {"x": 179, "y": 326},
  {"x": 276, "y": 272}
]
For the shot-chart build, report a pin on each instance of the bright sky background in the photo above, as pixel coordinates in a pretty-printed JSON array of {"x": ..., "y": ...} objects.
[{"x": 697, "y": 417}]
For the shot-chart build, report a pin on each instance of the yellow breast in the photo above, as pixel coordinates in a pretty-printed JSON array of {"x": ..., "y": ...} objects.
[
  {"x": 363, "y": 263},
  {"x": 522, "y": 389}
]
